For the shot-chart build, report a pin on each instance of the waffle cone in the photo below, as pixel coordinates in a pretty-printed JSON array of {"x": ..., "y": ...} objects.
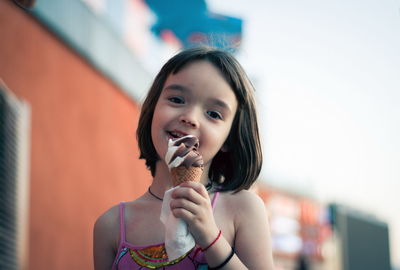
[{"x": 182, "y": 174}]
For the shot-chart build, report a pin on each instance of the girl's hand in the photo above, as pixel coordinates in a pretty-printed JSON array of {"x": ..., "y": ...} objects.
[{"x": 191, "y": 203}]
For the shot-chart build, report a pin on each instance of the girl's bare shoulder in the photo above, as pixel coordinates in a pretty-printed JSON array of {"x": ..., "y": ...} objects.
[
  {"x": 243, "y": 204},
  {"x": 111, "y": 217},
  {"x": 105, "y": 229},
  {"x": 109, "y": 220},
  {"x": 243, "y": 199}
]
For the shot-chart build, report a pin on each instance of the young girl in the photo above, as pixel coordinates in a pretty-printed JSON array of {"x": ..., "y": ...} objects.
[{"x": 202, "y": 92}]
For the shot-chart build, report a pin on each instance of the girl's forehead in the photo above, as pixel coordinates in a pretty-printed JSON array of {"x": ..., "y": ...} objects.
[{"x": 198, "y": 72}]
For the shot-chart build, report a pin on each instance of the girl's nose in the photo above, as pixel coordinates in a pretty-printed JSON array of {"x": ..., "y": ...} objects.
[{"x": 189, "y": 120}]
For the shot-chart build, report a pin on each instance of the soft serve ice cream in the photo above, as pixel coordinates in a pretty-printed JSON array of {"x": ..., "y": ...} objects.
[{"x": 183, "y": 159}]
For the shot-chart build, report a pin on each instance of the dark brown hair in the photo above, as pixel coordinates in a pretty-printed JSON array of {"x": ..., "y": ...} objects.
[{"x": 240, "y": 165}]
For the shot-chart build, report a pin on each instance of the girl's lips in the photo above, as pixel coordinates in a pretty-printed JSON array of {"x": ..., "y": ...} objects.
[{"x": 174, "y": 134}]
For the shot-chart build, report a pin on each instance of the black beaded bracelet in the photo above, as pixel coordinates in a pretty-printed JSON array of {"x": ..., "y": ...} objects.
[{"x": 224, "y": 262}]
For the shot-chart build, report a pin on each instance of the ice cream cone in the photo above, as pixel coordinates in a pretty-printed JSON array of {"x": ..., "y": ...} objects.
[{"x": 182, "y": 174}]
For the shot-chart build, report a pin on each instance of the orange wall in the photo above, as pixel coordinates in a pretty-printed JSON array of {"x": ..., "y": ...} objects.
[{"x": 84, "y": 155}]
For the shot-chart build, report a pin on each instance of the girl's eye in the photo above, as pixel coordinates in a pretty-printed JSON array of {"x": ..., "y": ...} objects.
[
  {"x": 214, "y": 115},
  {"x": 176, "y": 100}
]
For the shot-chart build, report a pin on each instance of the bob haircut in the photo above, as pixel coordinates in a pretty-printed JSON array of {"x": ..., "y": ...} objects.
[{"x": 236, "y": 168}]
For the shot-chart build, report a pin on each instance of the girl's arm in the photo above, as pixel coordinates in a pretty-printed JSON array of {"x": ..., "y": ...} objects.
[
  {"x": 104, "y": 240},
  {"x": 252, "y": 239}
]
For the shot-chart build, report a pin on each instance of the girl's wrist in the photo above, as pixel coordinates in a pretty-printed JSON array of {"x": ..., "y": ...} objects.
[
  {"x": 219, "y": 254},
  {"x": 210, "y": 238},
  {"x": 212, "y": 243}
]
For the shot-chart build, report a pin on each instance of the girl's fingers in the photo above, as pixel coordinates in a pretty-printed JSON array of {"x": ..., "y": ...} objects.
[
  {"x": 190, "y": 202},
  {"x": 183, "y": 214},
  {"x": 184, "y": 204},
  {"x": 186, "y": 190},
  {"x": 196, "y": 186},
  {"x": 188, "y": 194}
]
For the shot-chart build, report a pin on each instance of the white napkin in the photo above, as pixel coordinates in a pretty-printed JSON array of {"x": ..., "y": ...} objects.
[{"x": 178, "y": 240}]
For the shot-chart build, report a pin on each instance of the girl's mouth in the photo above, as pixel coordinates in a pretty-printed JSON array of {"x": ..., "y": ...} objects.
[{"x": 176, "y": 134}]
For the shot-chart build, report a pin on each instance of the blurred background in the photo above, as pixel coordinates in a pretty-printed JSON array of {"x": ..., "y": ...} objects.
[{"x": 327, "y": 77}]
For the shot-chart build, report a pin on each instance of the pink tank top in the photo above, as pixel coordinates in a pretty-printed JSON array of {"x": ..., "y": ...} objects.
[{"x": 131, "y": 257}]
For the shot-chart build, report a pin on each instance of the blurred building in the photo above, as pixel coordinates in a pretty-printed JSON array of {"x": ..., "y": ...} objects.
[
  {"x": 309, "y": 235},
  {"x": 362, "y": 239},
  {"x": 300, "y": 228}
]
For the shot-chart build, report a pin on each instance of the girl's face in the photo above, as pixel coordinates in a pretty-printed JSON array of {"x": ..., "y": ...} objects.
[{"x": 197, "y": 101}]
